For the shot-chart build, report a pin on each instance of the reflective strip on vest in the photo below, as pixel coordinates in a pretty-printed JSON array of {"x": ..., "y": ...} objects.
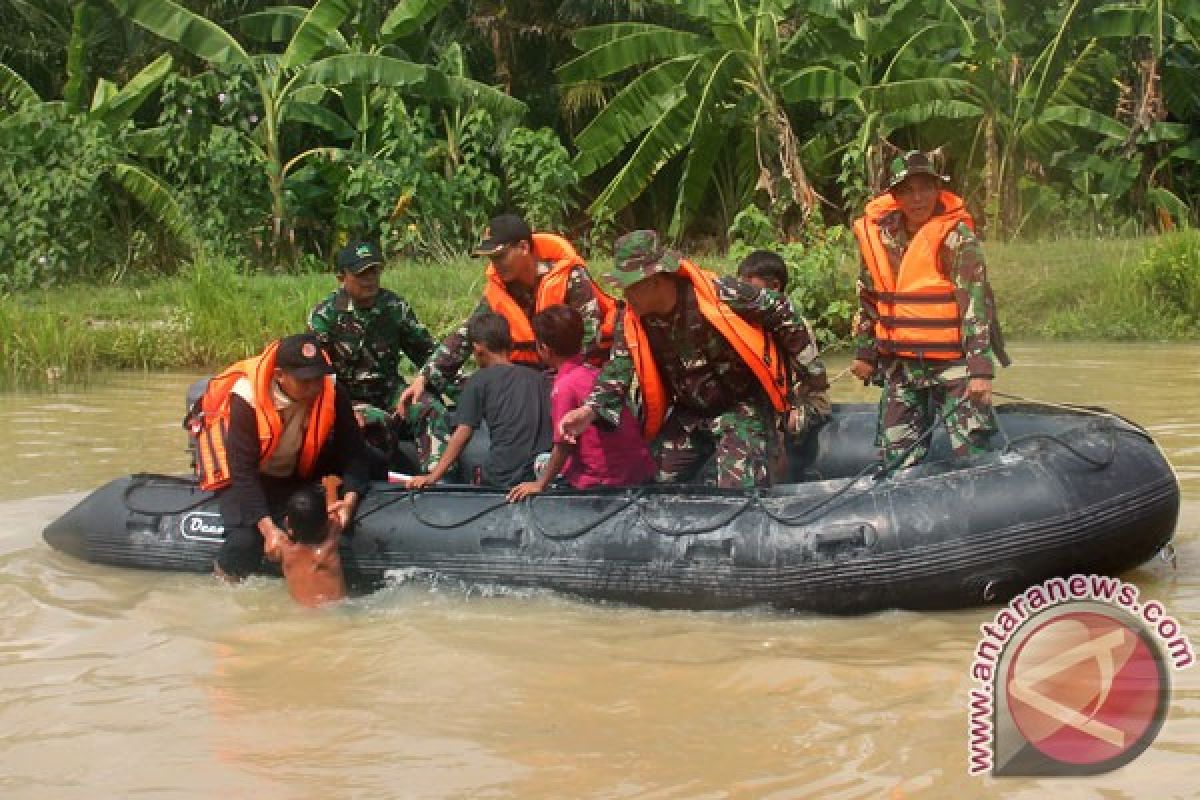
[{"x": 755, "y": 347}]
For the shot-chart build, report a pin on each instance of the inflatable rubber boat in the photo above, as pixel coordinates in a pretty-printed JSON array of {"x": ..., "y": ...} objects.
[{"x": 1064, "y": 491}]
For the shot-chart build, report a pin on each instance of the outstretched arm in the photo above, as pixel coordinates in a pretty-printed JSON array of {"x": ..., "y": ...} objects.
[{"x": 458, "y": 442}]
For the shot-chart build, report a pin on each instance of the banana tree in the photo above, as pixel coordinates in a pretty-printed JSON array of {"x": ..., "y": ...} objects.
[
  {"x": 687, "y": 91},
  {"x": 1029, "y": 100},
  {"x": 111, "y": 106},
  {"x": 316, "y": 59},
  {"x": 854, "y": 48},
  {"x": 1161, "y": 39}
]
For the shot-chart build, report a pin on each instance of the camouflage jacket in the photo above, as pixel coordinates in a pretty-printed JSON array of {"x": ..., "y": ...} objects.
[
  {"x": 963, "y": 253},
  {"x": 447, "y": 360},
  {"x": 702, "y": 371},
  {"x": 365, "y": 344}
]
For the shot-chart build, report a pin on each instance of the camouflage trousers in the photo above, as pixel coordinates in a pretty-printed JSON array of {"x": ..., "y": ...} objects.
[
  {"x": 736, "y": 440},
  {"x": 387, "y": 439},
  {"x": 907, "y": 413},
  {"x": 429, "y": 420}
]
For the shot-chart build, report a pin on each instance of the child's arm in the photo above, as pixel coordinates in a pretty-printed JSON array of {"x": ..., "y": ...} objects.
[
  {"x": 458, "y": 442},
  {"x": 558, "y": 457}
]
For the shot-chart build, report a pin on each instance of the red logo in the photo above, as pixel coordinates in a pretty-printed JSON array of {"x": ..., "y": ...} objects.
[
  {"x": 1086, "y": 690},
  {"x": 309, "y": 350}
]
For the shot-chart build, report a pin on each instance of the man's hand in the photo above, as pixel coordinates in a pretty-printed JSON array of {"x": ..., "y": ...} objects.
[
  {"x": 979, "y": 391},
  {"x": 863, "y": 370},
  {"x": 418, "y": 482},
  {"x": 575, "y": 422},
  {"x": 341, "y": 512},
  {"x": 523, "y": 490},
  {"x": 273, "y": 538},
  {"x": 410, "y": 395}
]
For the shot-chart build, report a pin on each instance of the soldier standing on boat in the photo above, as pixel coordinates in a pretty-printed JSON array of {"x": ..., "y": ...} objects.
[{"x": 926, "y": 328}]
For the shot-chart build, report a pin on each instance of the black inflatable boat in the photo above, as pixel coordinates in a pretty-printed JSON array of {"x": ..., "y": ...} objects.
[{"x": 1064, "y": 492}]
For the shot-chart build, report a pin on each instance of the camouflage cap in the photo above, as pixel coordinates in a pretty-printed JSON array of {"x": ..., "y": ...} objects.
[
  {"x": 637, "y": 256},
  {"x": 914, "y": 162}
]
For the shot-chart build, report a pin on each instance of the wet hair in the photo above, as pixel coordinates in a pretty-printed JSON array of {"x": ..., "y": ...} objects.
[
  {"x": 766, "y": 265},
  {"x": 307, "y": 519},
  {"x": 490, "y": 330},
  {"x": 560, "y": 328}
]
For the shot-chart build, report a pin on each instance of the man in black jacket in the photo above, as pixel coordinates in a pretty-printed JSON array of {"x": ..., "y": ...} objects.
[{"x": 280, "y": 437}]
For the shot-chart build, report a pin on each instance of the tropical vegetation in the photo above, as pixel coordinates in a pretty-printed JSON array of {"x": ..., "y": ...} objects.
[{"x": 143, "y": 137}]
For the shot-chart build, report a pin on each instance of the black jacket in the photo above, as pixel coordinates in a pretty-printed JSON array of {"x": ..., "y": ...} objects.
[{"x": 343, "y": 454}]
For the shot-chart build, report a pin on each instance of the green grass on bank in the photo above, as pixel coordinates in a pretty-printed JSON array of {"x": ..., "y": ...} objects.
[
  {"x": 1078, "y": 289},
  {"x": 213, "y": 313},
  {"x": 209, "y": 315}
]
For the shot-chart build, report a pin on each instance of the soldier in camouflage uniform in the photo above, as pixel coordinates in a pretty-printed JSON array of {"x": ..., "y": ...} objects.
[
  {"x": 718, "y": 404},
  {"x": 365, "y": 329},
  {"x": 934, "y": 359},
  {"x": 511, "y": 250}
]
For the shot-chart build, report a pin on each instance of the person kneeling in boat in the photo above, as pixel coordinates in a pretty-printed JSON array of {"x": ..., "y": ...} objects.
[
  {"x": 365, "y": 329},
  {"x": 308, "y": 552},
  {"x": 712, "y": 351},
  {"x": 268, "y": 426},
  {"x": 766, "y": 270},
  {"x": 601, "y": 457},
  {"x": 926, "y": 329},
  {"x": 512, "y": 400}
]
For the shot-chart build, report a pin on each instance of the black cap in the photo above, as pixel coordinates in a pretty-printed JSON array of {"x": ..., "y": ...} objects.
[
  {"x": 301, "y": 356},
  {"x": 357, "y": 256},
  {"x": 503, "y": 230}
]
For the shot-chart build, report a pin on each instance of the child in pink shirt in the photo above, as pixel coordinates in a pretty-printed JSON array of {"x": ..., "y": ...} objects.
[{"x": 616, "y": 457}]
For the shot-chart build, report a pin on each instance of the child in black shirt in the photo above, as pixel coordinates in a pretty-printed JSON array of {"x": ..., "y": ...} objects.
[{"x": 513, "y": 400}]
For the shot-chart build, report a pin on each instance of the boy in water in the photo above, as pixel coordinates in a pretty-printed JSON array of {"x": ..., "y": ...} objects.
[{"x": 312, "y": 566}]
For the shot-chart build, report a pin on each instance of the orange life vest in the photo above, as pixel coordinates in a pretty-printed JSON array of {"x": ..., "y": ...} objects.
[
  {"x": 551, "y": 290},
  {"x": 211, "y": 426},
  {"x": 919, "y": 316},
  {"x": 755, "y": 347}
]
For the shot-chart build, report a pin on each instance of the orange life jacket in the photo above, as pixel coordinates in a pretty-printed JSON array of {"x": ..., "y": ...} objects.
[
  {"x": 551, "y": 290},
  {"x": 919, "y": 316},
  {"x": 755, "y": 347},
  {"x": 211, "y": 426}
]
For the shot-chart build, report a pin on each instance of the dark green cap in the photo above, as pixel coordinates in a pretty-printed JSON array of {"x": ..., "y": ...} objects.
[{"x": 637, "y": 256}]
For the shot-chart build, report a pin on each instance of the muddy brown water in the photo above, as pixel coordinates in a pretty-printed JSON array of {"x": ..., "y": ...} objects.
[{"x": 120, "y": 683}]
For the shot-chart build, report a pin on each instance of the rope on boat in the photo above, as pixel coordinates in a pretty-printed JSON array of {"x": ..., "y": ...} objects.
[
  {"x": 142, "y": 480},
  {"x": 589, "y": 527}
]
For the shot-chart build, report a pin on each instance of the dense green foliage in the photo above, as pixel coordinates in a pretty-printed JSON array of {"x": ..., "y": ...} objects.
[{"x": 140, "y": 135}]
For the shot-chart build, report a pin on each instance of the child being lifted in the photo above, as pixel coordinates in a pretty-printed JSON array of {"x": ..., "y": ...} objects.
[{"x": 308, "y": 553}]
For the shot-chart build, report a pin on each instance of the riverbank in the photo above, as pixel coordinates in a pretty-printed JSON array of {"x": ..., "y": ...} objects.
[{"x": 214, "y": 312}]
